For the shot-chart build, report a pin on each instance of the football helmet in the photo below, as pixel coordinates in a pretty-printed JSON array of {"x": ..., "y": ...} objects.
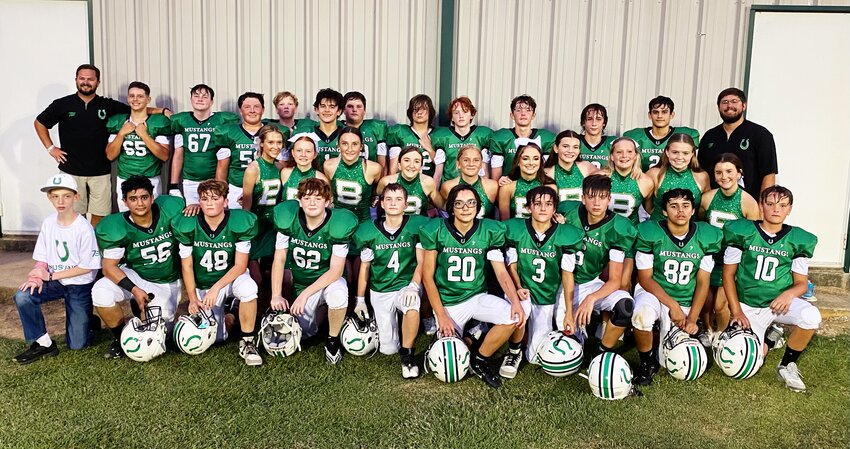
[
  {"x": 559, "y": 355},
  {"x": 738, "y": 352},
  {"x": 280, "y": 334},
  {"x": 448, "y": 358},
  {"x": 609, "y": 376},
  {"x": 359, "y": 337},
  {"x": 195, "y": 333},
  {"x": 144, "y": 340},
  {"x": 684, "y": 356}
]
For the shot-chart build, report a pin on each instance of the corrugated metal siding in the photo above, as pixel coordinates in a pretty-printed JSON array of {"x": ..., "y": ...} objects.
[
  {"x": 621, "y": 53},
  {"x": 386, "y": 49}
]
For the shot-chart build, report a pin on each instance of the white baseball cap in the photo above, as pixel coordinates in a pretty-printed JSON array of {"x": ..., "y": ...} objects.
[{"x": 60, "y": 181}]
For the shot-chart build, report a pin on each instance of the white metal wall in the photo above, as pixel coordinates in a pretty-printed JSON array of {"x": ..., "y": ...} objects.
[
  {"x": 620, "y": 53},
  {"x": 389, "y": 50}
]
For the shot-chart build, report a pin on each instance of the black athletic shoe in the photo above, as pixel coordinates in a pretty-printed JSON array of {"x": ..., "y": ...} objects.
[
  {"x": 645, "y": 373},
  {"x": 35, "y": 352},
  {"x": 483, "y": 369},
  {"x": 114, "y": 351}
]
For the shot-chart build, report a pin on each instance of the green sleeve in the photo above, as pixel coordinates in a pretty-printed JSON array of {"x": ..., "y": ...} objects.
[
  {"x": 568, "y": 207},
  {"x": 711, "y": 238},
  {"x": 571, "y": 239},
  {"x": 114, "y": 124},
  {"x": 804, "y": 243},
  {"x": 342, "y": 224},
  {"x": 159, "y": 125},
  {"x": 228, "y": 117},
  {"x": 244, "y": 225},
  {"x": 428, "y": 234},
  {"x": 734, "y": 232},
  {"x": 624, "y": 234},
  {"x": 362, "y": 236},
  {"x": 495, "y": 144},
  {"x": 285, "y": 214},
  {"x": 497, "y": 233},
  {"x": 646, "y": 232},
  {"x": 381, "y": 131},
  {"x": 111, "y": 232},
  {"x": 221, "y": 138},
  {"x": 547, "y": 139},
  {"x": 184, "y": 229},
  {"x": 170, "y": 206},
  {"x": 392, "y": 137},
  {"x": 694, "y": 135}
]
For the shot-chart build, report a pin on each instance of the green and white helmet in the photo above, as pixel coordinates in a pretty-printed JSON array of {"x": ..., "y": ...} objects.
[
  {"x": 143, "y": 341},
  {"x": 609, "y": 376},
  {"x": 195, "y": 333},
  {"x": 738, "y": 352},
  {"x": 280, "y": 334},
  {"x": 448, "y": 358},
  {"x": 559, "y": 355},
  {"x": 359, "y": 337},
  {"x": 684, "y": 356}
]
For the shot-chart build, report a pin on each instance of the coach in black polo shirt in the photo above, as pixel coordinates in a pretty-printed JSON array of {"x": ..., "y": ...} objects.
[
  {"x": 82, "y": 120},
  {"x": 749, "y": 141}
]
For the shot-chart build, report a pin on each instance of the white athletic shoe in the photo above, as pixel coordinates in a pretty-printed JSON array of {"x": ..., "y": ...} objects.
[
  {"x": 409, "y": 368},
  {"x": 249, "y": 353},
  {"x": 790, "y": 375},
  {"x": 510, "y": 364}
]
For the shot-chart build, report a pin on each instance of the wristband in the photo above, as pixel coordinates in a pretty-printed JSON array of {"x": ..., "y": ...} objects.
[
  {"x": 360, "y": 299},
  {"x": 173, "y": 186},
  {"x": 50, "y": 148},
  {"x": 50, "y": 276},
  {"x": 126, "y": 284}
]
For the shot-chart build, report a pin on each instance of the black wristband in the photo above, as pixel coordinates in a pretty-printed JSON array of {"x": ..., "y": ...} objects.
[
  {"x": 173, "y": 186},
  {"x": 126, "y": 284},
  {"x": 165, "y": 109}
]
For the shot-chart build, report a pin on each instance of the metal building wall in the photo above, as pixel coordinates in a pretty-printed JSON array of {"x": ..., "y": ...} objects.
[
  {"x": 620, "y": 53},
  {"x": 388, "y": 50}
]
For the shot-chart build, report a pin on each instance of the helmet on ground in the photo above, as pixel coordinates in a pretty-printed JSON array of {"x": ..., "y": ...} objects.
[
  {"x": 280, "y": 334},
  {"x": 359, "y": 337},
  {"x": 144, "y": 340},
  {"x": 448, "y": 358},
  {"x": 684, "y": 356},
  {"x": 195, "y": 333},
  {"x": 738, "y": 352},
  {"x": 609, "y": 376},
  {"x": 559, "y": 355}
]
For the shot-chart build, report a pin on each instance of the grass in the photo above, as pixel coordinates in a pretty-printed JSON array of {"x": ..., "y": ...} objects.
[{"x": 79, "y": 399}]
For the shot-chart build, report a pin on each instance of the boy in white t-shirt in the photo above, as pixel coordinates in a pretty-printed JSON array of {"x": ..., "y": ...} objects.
[{"x": 67, "y": 260}]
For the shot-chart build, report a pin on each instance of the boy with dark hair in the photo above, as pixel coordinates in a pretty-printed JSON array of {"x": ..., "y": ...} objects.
[{"x": 652, "y": 140}]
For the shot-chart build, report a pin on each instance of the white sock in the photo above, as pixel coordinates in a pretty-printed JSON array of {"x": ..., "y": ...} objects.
[{"x": 44, "y": 340}]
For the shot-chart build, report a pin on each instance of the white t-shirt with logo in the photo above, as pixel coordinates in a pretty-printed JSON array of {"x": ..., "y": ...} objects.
[{"x": 65, "y": 247}]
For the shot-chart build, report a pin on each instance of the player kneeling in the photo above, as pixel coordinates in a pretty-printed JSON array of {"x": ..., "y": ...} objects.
[
  {"x": 456, "y": 249},
  {"x": 214, "y": 248},
  {"x": 674, "y": 259},
  {"x": 765, "y": 269},
  {"x": 150, "y": 276},
  {"x": 316, "y": 237},
  {"x": 541, "y": 259},
  {"x": 391, "y": 258}
]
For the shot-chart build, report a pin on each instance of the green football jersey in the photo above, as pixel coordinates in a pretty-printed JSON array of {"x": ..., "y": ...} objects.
[
  {"x": 503, "y": 143},
  {"x": 401, "y": 135},
  {"x": 487, "y": 206},
  {"x": 676, "y": 261},
  {"x": 625, "y": 196},
  {"x": 568, "y": 182},
  {"x": 374, "y": 137},
  {"x": 651, "y": 148},
  {"x": 722, "y": 209},
  {"x": 242, "y": 146},
  {"x": 214, "y": 251},
  {"x": 394, "y": 254},
  {"x": 328, "y": 144},
  {"x": 417, "y": 201},
  {"x": 539, "y": 259},
  {"x": 447, "y": 141},
  {"x": 673, "y": 180},
  {"x": 350, "y": 189},
  {"x": 196, "y": 138},
  {"x": 265, "y": 196},
  {"x": 765, "y": 268},
  {"x": 461, "y": 259},
  {"x": 518, "y": 204},
  {"x": 310, "y": 250},
  {"x": 151, "y": 252},
  {"x": 598, "y": 154},
  {"x": 287, "y": 133},
  {"x": 613, "y": 232},
  {"x": 134, "y": 157},
  {"x": 290, "y": 187}
]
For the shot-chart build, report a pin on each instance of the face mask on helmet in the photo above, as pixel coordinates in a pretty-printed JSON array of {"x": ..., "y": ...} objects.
[
  {"x": 359, "y": 337},
  {"x": 280, "y": 334},
  {"x": 195, "y": 333},
  {"x": 144, "y": 340},
  {"x": 684, "y": 356}
]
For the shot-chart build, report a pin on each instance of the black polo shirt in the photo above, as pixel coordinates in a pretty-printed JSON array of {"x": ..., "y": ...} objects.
[
  {"x": 751, "y": 142},
  {"x": 82, "y": 132}
]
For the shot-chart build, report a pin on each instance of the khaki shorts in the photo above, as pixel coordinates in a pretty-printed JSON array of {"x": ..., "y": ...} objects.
[{"x": 95, "y": 195}]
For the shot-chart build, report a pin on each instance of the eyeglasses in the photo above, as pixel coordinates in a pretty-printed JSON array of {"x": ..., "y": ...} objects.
[
  {"x": 732, "y": 101},
  {"x": 471, "y": 204}
]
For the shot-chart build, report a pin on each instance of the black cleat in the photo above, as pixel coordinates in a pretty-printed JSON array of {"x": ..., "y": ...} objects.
[
  {"x": 482, "y": 368},
  {"x": 114, "y": 351},
  {"x": 35, "y": 352},
  {"x": 645, "y": 373}
]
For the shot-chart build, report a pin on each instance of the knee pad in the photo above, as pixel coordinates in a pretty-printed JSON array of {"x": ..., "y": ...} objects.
[
  {"x": 622, "y": 312},
  {"x": 810, "y": 318},
  {"x": 101, "y": 296},
  {"x": 643, "y": 318},
  {"x": 245, "y": 289},
  {"x": 336, "y": 299}
]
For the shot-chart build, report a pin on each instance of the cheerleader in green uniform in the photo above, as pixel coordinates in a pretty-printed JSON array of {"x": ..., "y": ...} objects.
[
  {"x": 421, "y": 189},
  {"x": 469, "y": 163},
  {"x": 302, "y": 164},
  {"x": 565, "y": 166},
  {"x": 678, "y": 169},
  {"x": 526, "y": 173}
]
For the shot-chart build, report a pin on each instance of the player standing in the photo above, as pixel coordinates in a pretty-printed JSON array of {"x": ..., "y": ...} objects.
[
  {"x": 237, "y": 144},
  {"x": 374, "y": 131},
  {"x": 653, "y": 139},
  {"x": 328, "y": 108},
  {"x": 504, "y": 142},
  {"x": 420, "y": 113},
  {"x": 448, "y": 141},
  {"x": 595, "y": 145}
]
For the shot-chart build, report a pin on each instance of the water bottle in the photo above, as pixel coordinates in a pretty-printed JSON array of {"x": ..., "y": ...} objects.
[{"x": 810, "y": 292}]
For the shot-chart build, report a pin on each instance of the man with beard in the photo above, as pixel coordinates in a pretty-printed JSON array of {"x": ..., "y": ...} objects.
[
  {"x": 749, "y": 141},
  {"x": 82, "y": 118}
]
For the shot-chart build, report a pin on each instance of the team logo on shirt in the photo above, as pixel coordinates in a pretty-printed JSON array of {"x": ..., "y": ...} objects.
[
  {"x": 745, "y": 143},
  {"x": 101, "y": 114},
  {"x": 67, "y": 253}
]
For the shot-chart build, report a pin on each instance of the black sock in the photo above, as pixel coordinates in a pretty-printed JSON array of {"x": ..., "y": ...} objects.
[
  {"x": 770, "y": 343},
  {"x": 405, "y": 351},
  {"x": 603, "y": 348},
  {"x": 645, "y": 357},
  {"x": 790, "y": 356},
  {"x": 116, "y": 331},
  {"x": 333, "y": 342},
  {"x": 514, "y": 347}
]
